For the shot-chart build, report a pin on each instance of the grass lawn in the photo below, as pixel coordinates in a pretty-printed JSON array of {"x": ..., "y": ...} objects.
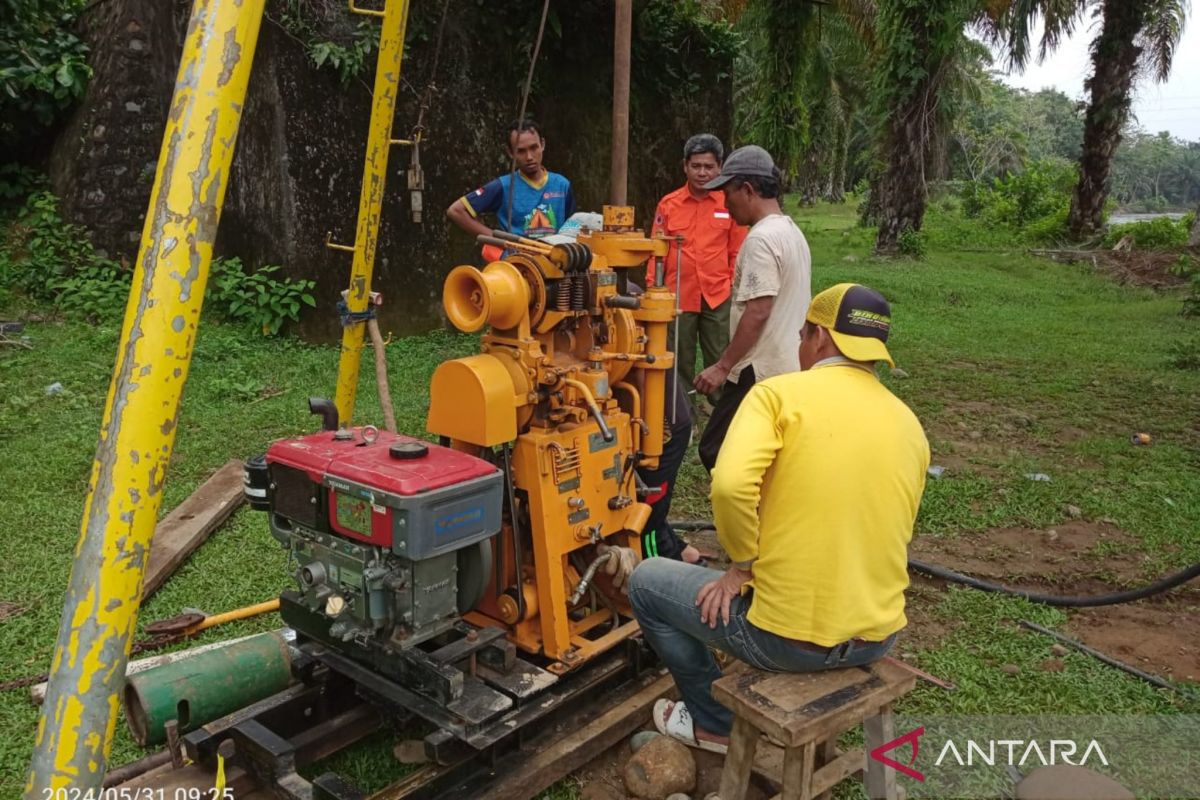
[{"x": 1015, "y": 366}]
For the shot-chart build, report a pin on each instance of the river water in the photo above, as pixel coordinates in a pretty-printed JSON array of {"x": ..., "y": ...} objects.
[{"x": 1125, "y": 219}]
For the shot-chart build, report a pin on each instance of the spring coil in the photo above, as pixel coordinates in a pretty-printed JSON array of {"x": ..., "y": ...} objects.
[
  {"x": 579, "y": 292},
  {"x": 562, "y": 295}
]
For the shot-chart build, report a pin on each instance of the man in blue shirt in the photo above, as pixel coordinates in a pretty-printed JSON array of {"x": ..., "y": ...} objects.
[{"x": 534, "y": 203}]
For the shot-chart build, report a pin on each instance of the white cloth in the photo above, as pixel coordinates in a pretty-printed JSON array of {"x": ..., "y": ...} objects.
[{"x": 774, "y": 262}]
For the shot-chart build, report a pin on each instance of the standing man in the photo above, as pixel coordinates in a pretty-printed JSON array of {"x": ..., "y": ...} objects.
[
  {"x": 815, "y": 496},
  {"x": 534, "y": 203},
  {"x": 711, "y": 241},
  {"x": 772, "y": 287}
]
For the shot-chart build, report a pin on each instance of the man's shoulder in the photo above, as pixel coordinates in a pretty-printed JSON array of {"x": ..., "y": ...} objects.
[
  {"x": 674, "y": 196},
  {"x": 558, "y": 179}
]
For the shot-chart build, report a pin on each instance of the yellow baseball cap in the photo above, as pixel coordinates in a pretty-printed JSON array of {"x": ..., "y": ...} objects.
[{"x": 857, "y": 317}]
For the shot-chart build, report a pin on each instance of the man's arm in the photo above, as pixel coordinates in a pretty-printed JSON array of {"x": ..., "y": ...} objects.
[
  {"x": 461, "y": 215},
  {"x": 737, "y": 235},
  {"x": 569, "y": 203},
  {"x": 750, "y": 447},
  {"x": 749, "y": 328},
  {"x": 464, "y": 212}
]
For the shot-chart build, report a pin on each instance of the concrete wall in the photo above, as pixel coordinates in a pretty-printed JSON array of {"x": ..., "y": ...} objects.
[{"x": 298, "y": 165}]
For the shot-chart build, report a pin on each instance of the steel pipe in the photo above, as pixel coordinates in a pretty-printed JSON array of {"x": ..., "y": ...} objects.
[{"x": 74, "y": 733}]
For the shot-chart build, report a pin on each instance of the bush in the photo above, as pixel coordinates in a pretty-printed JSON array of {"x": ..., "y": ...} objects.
[
  {"x": 256, "y": 298},
  {"x": 43, "y": 65},
  {"x": 1041, "y": 191},
  {"x": 1160, "y": 233},
  {"x": 39, "y": 251},
  {"x": 1050, "y": 229},
  {"x": 912, "y": 243},
  {"x": 46, "y": 259}
]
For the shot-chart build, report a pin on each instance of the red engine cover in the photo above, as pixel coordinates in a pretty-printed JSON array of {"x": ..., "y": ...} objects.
[{"x": 371, "y": 465}]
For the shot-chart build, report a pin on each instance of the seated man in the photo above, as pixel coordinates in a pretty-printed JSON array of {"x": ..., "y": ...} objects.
[{"x": 814, "y": 495}]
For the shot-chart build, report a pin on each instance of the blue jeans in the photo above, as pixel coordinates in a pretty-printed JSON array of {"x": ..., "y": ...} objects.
[{"x": 663, "y": 595}]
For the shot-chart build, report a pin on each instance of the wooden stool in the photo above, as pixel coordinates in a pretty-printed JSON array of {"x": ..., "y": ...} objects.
[{"x": 806, "y": 713}]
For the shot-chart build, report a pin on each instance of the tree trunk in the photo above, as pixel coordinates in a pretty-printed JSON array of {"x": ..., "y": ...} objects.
[
  {"x": 1114, "y": 63},
  {"x": 902, "y": 190},
  {"x": 1194, "y": 236},
  {"x": 841, "y": 152}
]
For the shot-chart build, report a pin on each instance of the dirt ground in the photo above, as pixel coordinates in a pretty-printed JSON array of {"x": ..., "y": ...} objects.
[
  {"x": 1160, "y": 635},
  {"x": 602, "y": 778},
  {"x": 1137, "y": 267}
]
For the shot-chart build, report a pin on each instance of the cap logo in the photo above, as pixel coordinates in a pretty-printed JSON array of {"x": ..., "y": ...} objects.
[{"x": 869, "y": 319}]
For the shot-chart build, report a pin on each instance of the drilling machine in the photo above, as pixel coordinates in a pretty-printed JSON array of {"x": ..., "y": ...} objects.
[{"x": 462, "y": 578}]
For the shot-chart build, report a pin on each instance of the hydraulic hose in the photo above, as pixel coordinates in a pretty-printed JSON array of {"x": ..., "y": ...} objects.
[{"x": 1086, "y": 601}]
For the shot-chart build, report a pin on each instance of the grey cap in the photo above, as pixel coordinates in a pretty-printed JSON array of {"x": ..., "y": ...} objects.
[
  {"x": 748, "y": 161},
  {"x": 703, "y": 143}
]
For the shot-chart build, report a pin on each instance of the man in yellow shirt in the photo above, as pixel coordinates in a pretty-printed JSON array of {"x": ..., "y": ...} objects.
[{"x": 814, "y": 494}]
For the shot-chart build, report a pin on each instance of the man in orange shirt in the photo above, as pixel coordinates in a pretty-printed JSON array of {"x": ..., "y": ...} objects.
[{"x": 710, "y": 248}]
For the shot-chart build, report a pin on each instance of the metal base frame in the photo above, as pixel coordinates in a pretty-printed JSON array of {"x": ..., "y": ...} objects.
[{"x": 340, "y": 701}]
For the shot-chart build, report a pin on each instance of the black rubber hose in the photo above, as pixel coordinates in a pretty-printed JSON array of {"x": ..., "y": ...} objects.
[
  {"x": 933, "y": 570},
  {"x": 1112, "y": 599}
]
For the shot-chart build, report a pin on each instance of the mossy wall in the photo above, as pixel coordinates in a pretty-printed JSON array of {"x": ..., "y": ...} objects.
[{"x": 299, "y": 158}]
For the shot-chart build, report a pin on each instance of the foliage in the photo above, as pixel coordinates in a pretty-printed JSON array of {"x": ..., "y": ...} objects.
[
  {"x": 1186, "y": 355},
  {"x": 682, "y": 47},
  {"x": 99, "y": 290},
  {"x": 1155, "y": 172},
  {"x": 912, "y": 244},
  {"x": 48, "y": 260},
  {"x": 801, "y": 82},
  {"x": 330, "y": 38},
  {"x": 38, "y": 250},
  {"x": 1188, "y": 267},
  {"x": 1005, "y": 128},
  {"x": 257, "y": 298},
  {"x": 1034, "y": 201},
  {"x": 1160, "y": 233},
  {"x": 43, "y": 65},
  {"x": 17, "y": 182}
]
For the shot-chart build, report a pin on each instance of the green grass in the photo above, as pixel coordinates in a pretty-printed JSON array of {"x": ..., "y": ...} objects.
[{"x": 1051, "y": 366}]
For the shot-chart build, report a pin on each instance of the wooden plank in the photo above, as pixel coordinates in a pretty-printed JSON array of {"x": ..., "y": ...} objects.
[
  {"x": 879, "y": 778},
  {"x": 187, "y": 527},
  {"x": 735, "y": 777},
  {"x": 837, "y": 770},
  {"x": 570, "y": 752}
]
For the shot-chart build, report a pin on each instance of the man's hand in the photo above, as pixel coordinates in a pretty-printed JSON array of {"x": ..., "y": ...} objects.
[
  {"x": 620, "y": 565},
  {"x": 714, "y": 598},
  {"x": 712, "y": 378}
]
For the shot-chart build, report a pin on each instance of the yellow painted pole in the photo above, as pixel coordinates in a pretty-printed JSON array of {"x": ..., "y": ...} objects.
[
  {"x": 370, "y": 199},
  {"x": 74, "y": 733}
]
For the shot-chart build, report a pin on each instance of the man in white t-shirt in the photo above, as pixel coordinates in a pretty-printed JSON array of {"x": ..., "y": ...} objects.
[{"x": 772, "y": 289}]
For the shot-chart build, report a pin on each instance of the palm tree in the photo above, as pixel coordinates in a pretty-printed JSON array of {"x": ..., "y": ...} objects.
[
  {"x": 919, "y": 48},
  {"x": 774, "y": 109},
  {"x": 799, "y": 80},
  {"x": 1135, "y": 36}
]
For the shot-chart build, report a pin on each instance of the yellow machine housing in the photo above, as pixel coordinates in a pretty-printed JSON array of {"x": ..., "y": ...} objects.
[{"x": 569, "y": 385}]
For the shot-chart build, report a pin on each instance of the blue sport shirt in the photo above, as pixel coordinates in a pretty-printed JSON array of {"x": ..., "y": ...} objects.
[{"x": 536, "y": 210}]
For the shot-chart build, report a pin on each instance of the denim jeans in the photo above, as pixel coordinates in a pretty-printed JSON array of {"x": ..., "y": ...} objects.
[{"x": 663, "y": 595}]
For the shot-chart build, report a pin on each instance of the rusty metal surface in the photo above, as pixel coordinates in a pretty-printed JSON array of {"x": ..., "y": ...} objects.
[{"x": 79, "y": 715}]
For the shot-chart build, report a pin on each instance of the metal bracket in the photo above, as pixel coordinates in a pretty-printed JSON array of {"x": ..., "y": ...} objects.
[
  {"x": 332, "y": 245},
  {"x": 366, "y": 12}
]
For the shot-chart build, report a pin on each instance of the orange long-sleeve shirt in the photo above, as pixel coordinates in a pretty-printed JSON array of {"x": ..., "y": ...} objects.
[{"x": 710, "y": 246}]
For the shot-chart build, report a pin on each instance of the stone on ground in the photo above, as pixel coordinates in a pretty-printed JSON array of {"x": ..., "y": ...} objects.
[{"x": 661, "y": 768}]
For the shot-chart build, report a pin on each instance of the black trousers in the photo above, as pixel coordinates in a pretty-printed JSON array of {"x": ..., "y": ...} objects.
[
  {"x": 658, "y": 538},
  {"x": 718, "y": 424}
]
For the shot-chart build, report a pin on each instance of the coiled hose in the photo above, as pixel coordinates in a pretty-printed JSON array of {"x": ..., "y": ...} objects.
[{"x": 1087, "y": 601}]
